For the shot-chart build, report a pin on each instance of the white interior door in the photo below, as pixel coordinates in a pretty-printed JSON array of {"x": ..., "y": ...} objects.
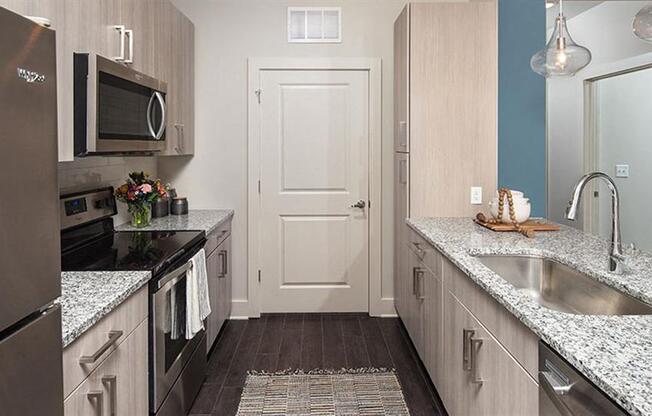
[{"x": 314, "y": 166}]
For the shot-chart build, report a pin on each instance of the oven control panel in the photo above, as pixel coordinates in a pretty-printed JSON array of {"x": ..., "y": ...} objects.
[{"x": 81, "y": 208}]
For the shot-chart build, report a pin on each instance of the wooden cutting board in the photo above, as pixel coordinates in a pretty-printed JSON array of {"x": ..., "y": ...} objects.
[{"x": 530, "y": 225}]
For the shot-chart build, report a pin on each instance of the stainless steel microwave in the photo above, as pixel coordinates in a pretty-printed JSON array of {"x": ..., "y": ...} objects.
[{"x": 117, "y": 110}]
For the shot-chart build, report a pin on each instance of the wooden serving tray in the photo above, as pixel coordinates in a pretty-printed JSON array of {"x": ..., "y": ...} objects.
[{"x": 529, "y": 225}]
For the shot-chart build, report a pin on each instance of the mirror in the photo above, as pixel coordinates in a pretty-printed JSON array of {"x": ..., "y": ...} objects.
[{"x": 601, "y": 119}]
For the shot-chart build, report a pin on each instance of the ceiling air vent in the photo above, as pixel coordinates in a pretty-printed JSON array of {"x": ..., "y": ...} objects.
[{"x": 314, "y": 24}]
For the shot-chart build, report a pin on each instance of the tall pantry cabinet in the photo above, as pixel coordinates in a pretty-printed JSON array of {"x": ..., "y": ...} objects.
[{"x": 445, "y": 142}]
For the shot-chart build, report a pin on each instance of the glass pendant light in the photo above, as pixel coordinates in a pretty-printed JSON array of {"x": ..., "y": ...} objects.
[
  {"x": 561, "y": 56},
  {"x": 642, "y": 24}
]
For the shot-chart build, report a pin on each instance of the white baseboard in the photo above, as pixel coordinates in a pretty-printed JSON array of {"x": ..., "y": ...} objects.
[
  {"x": 241, "y": 309},
  {"x": 384, "y": 308}
]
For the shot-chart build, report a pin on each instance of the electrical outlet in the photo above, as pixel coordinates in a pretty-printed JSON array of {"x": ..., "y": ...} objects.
[
  {"x": 622, "y": 171},
  {"x": 476, "y": 195}
]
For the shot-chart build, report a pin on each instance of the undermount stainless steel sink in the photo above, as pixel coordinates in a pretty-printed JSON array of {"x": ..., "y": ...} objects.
[{"x": 562, "y": 288}]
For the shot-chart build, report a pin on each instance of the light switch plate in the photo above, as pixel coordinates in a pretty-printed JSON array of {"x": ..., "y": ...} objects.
[
  {"x": 476, "y": 195},
  {"x": 622, "y": 171}
]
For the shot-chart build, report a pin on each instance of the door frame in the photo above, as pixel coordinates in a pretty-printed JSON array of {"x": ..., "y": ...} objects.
[
  {"x": 377, "y": 305},
  {"x": 591, "y": 152}
]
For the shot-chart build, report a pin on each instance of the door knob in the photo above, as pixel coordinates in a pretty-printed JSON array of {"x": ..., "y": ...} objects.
[{"x": 360, "y": 204}]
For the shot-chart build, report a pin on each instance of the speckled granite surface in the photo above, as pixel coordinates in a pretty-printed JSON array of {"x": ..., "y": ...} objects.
[
  {"x": 86, "y": 297},
  {"x": 614, "y": 352},
  {"x": 199, "y": 219}
]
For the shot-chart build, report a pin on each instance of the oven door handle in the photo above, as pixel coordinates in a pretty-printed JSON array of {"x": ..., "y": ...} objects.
[{"x": 173, "y": 277}]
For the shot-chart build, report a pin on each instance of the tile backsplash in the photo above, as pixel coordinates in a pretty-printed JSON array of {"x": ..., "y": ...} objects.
[{"x": 94, "y": 172}]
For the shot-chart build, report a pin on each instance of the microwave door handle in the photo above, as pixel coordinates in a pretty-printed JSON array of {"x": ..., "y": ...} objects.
[
  {"x": 149, "y": 116},
  {"x": 161, "y": 102}
]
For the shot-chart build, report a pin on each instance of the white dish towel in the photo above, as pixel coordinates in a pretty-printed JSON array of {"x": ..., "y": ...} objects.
[{"x": 198, "y": 305}]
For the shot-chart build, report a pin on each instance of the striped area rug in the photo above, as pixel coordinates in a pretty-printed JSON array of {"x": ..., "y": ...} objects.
[{"x": 353, "y": 392}]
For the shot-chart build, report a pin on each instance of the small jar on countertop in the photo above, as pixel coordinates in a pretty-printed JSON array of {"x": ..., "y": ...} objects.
[
  {"x": 161, "y": 208},
  {"x": 179, "y": 206}
]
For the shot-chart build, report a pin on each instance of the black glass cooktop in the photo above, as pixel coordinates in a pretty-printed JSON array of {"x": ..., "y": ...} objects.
[{"x": 130, "y": 250}]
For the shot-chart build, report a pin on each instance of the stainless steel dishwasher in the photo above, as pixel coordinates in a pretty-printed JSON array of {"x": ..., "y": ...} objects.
[{"x": 564, "y": 391}]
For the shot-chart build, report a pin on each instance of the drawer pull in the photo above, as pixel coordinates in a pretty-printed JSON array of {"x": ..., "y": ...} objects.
[
  {"x": 476, "y": 343},
  {"x": 90, "y": 359},
  {"x": 224, "y": 263},
  {"x": 467, "y": 334},
  {"x": 113, "y": 398},
  {"x": 414, "y": 281},
  {"x": 420, "y": 284},
  {"x": 421, "y": 252},
  {"x": 97, "y": 396}
]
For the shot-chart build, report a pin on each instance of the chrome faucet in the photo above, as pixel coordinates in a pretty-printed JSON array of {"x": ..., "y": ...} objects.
[{"x": 616, "y": 251}]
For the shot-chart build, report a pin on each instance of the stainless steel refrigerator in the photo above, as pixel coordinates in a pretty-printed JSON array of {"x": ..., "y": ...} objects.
[{"x": 31, "y": 380}]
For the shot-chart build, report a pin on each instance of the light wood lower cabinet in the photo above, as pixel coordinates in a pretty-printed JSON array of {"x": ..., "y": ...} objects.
[
  {"x": 433, "y": 328},
  {"x": 118, "y": 386},
  {"x": 424, "y": 307},
  {"x": 218, "y": 264},
  {"x": 482, "y": 378},
  {"x": 477, "y": 354}
]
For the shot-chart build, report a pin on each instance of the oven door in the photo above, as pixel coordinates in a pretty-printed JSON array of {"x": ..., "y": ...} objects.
[
  {"x": 171, "y": 350},
  {"x": 117, "y": 109}
]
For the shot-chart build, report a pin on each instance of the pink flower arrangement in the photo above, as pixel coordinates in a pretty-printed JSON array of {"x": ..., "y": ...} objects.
[{"x": 140, "y": 190}]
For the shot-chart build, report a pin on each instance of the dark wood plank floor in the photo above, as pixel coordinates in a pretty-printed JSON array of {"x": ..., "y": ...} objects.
[{"x": 309, "y": 341}]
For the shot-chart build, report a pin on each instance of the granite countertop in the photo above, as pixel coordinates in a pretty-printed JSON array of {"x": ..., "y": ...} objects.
[
  {"x": 86, "y": 297},
  {"x": 205, "y": 220},
  {"x": 614, "y": 352}
]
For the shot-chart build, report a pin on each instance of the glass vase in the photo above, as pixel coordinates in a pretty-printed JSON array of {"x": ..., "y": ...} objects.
[{"x": 141, "y": 215}]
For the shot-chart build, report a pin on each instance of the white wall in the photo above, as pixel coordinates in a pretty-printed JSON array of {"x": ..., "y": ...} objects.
[
  {"x": 227, "y": 32},
  {"x": 95, "y": 172},
  {"x": 607, "y": 31},
  {"x": 625, "y": 137}
]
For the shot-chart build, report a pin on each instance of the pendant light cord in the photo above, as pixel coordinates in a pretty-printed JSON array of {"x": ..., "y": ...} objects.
[{"x": 561, "y": 8}]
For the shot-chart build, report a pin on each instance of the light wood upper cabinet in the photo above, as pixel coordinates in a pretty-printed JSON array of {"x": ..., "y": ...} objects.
[
  {"x": 180, "y": 38},
  {"x": 445, "y": 103},
  {"x": 402, "y": 81},
  {"x": 159, "y": 43}
]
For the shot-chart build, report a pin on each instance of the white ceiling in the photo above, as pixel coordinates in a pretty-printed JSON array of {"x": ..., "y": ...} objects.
[{"x": 571, "y": 9}]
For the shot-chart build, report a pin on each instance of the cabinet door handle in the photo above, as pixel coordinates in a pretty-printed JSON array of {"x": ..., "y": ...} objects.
[
  {"x": 113, "y": 391},
  {"x": 121, "y": 30},
  {"x": 476, "y": 344},
  {"x": 224, "y": 266},
  {"x": 414, "y": 281},
  {"x": 90, "y": 359},
  {"x": 130, "y": 34},
  {"x": 97, "y": 396},
  {"x": 402, "y": 133},
  {"x": 420, "y": 284},
  {"x": 402, "y": 172},
  {"x": 467, "y": 334},
  {"x": 421, "y": 252}
]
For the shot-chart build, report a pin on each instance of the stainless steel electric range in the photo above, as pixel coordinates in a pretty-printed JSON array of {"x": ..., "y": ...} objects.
[{"x": 89, "y": 242}]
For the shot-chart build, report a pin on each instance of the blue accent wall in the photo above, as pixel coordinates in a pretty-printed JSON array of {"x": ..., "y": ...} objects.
[{"x": 522, "y": 101}]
